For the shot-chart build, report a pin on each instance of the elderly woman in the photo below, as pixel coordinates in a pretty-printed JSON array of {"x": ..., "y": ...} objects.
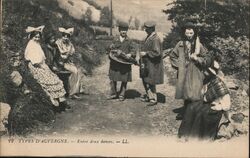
[
  {"x": 49, "y": 81},
  {"x": 66, "y": 50}
]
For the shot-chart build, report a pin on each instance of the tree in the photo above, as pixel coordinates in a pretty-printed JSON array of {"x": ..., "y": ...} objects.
[
  {"x": 223, "y": 29},
  {"x": 130, "y": 20},
  {"x": 105, "y": 18},
  {"x": 217, "y": 18},
  {"x": 87, "y": 17},
  {"x": 137, "y": 23}
]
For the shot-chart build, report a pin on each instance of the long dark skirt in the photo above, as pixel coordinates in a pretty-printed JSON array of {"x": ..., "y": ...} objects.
[{"x": 199, "y": 121}]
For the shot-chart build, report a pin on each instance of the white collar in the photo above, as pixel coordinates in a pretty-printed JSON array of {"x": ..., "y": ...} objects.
[{"x": 122, "y": 38}]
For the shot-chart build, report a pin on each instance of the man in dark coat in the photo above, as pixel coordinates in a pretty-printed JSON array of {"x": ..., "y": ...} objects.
[
  {"x": 151, "y": 70},
  {"x": 122, "y": 47}
]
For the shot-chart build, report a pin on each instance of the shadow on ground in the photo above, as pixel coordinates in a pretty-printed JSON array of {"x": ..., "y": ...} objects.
[
  {"x": 161, "y": 98},
  {"x": 132, "y": 94}
]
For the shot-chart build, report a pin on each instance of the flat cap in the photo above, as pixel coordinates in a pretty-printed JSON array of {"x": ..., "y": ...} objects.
[
  {"x": 122, "y": 24},
  {"x": 150, "y": 24}
]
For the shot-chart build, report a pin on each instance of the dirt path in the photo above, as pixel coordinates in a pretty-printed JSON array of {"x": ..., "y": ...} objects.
[{"x": 93, "y": 114}]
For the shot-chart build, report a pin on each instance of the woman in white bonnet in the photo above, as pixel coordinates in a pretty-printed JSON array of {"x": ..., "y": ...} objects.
[
  {"x": 49, "y": 81},
  {"x": 66, "y": 50}
]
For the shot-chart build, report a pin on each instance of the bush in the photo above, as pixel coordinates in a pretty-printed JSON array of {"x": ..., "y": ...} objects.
[
  {"x": 234, "y": 54},
  {"x": 223, "y": 28},
  {"x": 105, "y": 19}
]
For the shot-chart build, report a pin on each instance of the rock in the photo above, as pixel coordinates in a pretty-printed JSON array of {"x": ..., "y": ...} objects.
[
  {"x": 238, "y": 125},
  {"x": 5, "y": 109},
  {"x": 238, "y": 118},
  {"x": 226, "y": 130}
]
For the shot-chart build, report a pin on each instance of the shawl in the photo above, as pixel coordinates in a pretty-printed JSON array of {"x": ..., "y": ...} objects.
[
  {"x": 34, "y": 53},
  {"x": 65, "y": 49}
]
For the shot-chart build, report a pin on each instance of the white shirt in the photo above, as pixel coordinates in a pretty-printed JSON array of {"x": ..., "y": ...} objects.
[{"x": 122, "y": 38}]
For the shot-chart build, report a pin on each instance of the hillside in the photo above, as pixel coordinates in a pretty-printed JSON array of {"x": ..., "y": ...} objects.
[
  {"x": 139, "y": 8},
  {"x": 78, "y": 8},
  {"x": 122, "y": 10}
]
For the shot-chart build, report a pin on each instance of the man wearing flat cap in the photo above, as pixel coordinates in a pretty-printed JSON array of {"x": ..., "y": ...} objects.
[
  {"x": 121, "y": 51},
  {"x": 151, "y": 70}
]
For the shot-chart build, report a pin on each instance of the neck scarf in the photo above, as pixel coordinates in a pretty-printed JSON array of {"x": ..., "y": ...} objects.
[
  {"x": 65, "y": 49},
  {"x": 34, "y": 52}
]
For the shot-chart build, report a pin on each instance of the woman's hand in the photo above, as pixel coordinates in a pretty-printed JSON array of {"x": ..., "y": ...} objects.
[
  {"x": 194, "y": 57},
  {"x": 119, "y": 52},
  {"x": 54, "y": 68},
  {"x": 143, "y": 54},
  {"x": 128, "y": 55}
]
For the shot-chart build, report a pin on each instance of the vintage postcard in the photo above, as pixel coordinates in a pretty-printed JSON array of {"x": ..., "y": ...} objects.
[{"x": 124, "y": 78}]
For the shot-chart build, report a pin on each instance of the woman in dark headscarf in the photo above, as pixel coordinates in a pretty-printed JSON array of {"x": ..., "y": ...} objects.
[{"x": 190, "y": 58}]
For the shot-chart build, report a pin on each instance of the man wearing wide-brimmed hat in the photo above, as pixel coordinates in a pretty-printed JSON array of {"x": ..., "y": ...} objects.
[
  {"x": 122, "y": 54},
  {"x": 151, "y": 58}
]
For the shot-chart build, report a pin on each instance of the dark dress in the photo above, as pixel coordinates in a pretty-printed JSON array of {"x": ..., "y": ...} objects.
[
  {"x": 119, "y": 71},
  {"x": 200, "y": 121}
]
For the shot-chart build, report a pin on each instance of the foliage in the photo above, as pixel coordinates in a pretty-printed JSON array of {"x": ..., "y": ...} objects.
[
  {"x": 105, "y": 19},
  {"x": 223, "y": 28},
  {"x": 137, "y": 23},
  {"x": 87, "y": 17},
  {"x": 223, "y": 20},
  {"x": 234, "y": 52}
]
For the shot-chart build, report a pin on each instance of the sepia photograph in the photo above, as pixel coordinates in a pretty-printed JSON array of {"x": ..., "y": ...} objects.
[{"x": 124, "y": 78}]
